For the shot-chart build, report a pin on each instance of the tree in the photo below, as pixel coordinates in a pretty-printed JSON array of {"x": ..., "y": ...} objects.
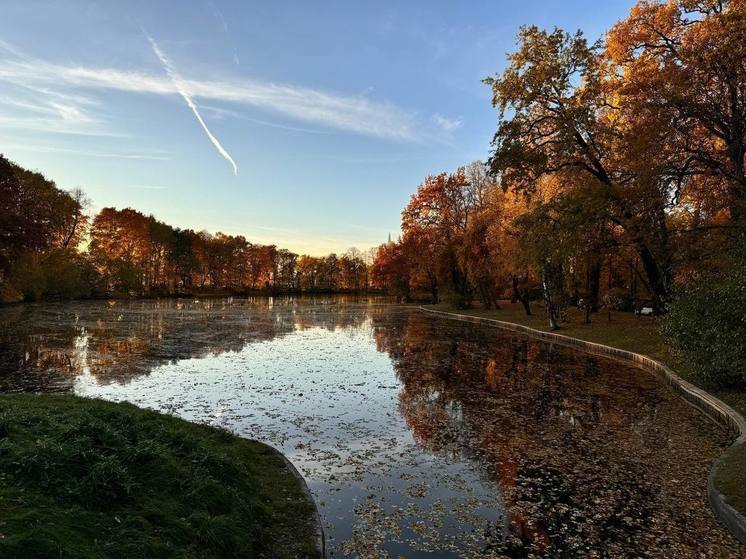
[
  {"x": 687, "y": 59},
  {"x": 120, "y": 248},
  {"x": 391, "y": 270},
  {"x": 308, "y": 272},
  {"x": 74, "y": 226},
  {"x": 559, "y": 117},
  {"x": 184, "y": 258},
  {"x": 35, "y": 215},
  {"x": 435, "y": 220}
]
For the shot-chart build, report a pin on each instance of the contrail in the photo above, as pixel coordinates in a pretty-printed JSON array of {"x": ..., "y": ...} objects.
[{"x": 179, "y": 85}]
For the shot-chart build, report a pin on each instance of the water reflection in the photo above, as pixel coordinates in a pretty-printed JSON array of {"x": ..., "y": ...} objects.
[
  {"x": 419, "y": 436},
  {"x": 593, "y": 459},
  {"x": 44, "y": 347}
]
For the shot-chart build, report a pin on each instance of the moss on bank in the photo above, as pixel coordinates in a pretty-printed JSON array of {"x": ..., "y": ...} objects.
[
  {"x": 87, "y": 478},
  {"x": 638, "y": 334}
]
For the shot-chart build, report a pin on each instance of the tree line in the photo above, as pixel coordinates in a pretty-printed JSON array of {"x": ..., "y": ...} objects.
[
  {"x": 616, "y": 172},
  {"x": 51, "y": 248},
  {"x": 616, "y": 179}
]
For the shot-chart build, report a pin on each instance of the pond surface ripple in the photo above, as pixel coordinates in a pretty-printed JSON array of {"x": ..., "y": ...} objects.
[{"x": 419, "y": 436}]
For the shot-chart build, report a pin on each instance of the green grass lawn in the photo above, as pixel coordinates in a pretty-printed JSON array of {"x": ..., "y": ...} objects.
[
  {"x": 83, "y": 478},
  {"x": 639, "y": 334}
]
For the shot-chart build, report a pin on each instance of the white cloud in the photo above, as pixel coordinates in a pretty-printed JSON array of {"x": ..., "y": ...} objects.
[
  {"x": 71, "y": 113},
  {"x": 350, "y": 113},
  {"x": 54, "y": 125},
  {"x": 446, "y": 124},
  {"x": 63, "y": 111}
]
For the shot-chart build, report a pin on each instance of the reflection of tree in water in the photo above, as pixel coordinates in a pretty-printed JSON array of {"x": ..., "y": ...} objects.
[
  {"x": 593, "y": 459},
  {"x": 573, "y": 441},
  {"x": 44, "y": 347}
]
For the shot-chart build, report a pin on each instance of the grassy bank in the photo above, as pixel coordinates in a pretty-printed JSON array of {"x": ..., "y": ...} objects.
[
  {"x": 85, "y": 478},
  {"x": 638, "y": 334}
]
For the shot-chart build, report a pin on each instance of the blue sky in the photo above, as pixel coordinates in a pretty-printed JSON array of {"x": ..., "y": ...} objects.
[{"x": 333, "y": 112}]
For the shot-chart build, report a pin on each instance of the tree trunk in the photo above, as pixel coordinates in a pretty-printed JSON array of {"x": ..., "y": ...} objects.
[
  {"x": 659, "y": 277},
  {"x": 594, "y": 283},
  {"x": 518, "y": 296},
  {"x": 552, "y": 290},
  {"x": 433, "y": 281}
]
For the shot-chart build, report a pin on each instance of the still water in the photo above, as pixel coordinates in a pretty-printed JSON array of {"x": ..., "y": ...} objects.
[{"x": 419, "y": 436}]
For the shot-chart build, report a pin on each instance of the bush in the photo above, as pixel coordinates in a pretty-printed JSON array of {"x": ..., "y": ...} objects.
[
  {"x": 127, "y": 276},
  {"x": 69, "y": 275},
  {"x": 58, "y": 274},
  {"x": 9, "y": 294},
  {"x": 706, "y": 324},
  {"x": 28, "y": 277},
  {"x": 457, "y": 301}
]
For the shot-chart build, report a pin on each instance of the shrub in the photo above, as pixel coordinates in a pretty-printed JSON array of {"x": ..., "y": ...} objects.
[
  {"x": 57, "y": 274},
  {"x": 68, "y": 275},
  {"x": 706, "y": 324},
  {"x": 9, "y": 294},
  {"x": 457, "y": 301},
  {"x": 28, "y": 277}
]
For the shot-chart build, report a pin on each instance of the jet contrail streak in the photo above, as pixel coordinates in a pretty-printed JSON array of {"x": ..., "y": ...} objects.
[{"x": 179, "y": 85}]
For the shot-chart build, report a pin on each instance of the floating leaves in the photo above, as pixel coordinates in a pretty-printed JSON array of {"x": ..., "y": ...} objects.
[{"x": 417, "y": 436}]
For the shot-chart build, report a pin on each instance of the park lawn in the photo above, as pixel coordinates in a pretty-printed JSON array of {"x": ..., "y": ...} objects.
[
  {"x": 84, "y": 478},
  {"x": 638, "y": 334}
]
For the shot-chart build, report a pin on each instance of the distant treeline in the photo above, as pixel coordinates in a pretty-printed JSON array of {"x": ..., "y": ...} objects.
[{"x": 50, "y": 248}]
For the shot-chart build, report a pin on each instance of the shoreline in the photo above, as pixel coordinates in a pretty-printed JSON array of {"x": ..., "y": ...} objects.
[{"x": 202, "y": 295}]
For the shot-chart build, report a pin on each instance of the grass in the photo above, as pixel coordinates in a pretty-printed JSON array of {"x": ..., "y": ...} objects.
[
  {"x": 639, "y": 334},
  {"x": 731, "y": 478},
  {"x": 623, "y": 330},
  {"x": 84, "y": 478}
]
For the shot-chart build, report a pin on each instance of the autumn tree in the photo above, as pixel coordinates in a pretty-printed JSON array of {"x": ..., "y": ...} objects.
[
  {"x": 120, "y": 248},
  {"x": 36, "y": 215},
  {"x": 687, "y": 59},
  {"x": 391, "y": 270},
  {"x": 308, "y": 272},
  {"x": 560, "y": 115},
  {"x": 436, "y": 219}
]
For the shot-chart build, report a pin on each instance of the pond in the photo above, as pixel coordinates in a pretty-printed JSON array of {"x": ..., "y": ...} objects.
[{"x": 419, "y": 436}]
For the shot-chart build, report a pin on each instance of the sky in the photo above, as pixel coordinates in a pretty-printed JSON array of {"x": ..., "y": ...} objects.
[{"x": 302, "y": 124}]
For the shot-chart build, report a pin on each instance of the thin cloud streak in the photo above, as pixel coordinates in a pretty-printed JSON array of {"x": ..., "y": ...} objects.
[
  {"x": 224, "y": 24},
  {"x": 52, "y": 149},
  {"x": 64, "y": 111},
  {"x": 218, "y": 112},
  {"x": 54, "y": 126},
  {"x": 447, "y": 124},
  {"x": 354, "y": 114},
  {"x": 181, "y": 89}
]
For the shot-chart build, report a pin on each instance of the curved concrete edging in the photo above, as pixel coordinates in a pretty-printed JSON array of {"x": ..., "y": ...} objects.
[
  {"x": 318, "y": 528},
  {"x": 725, "y": 416}
]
